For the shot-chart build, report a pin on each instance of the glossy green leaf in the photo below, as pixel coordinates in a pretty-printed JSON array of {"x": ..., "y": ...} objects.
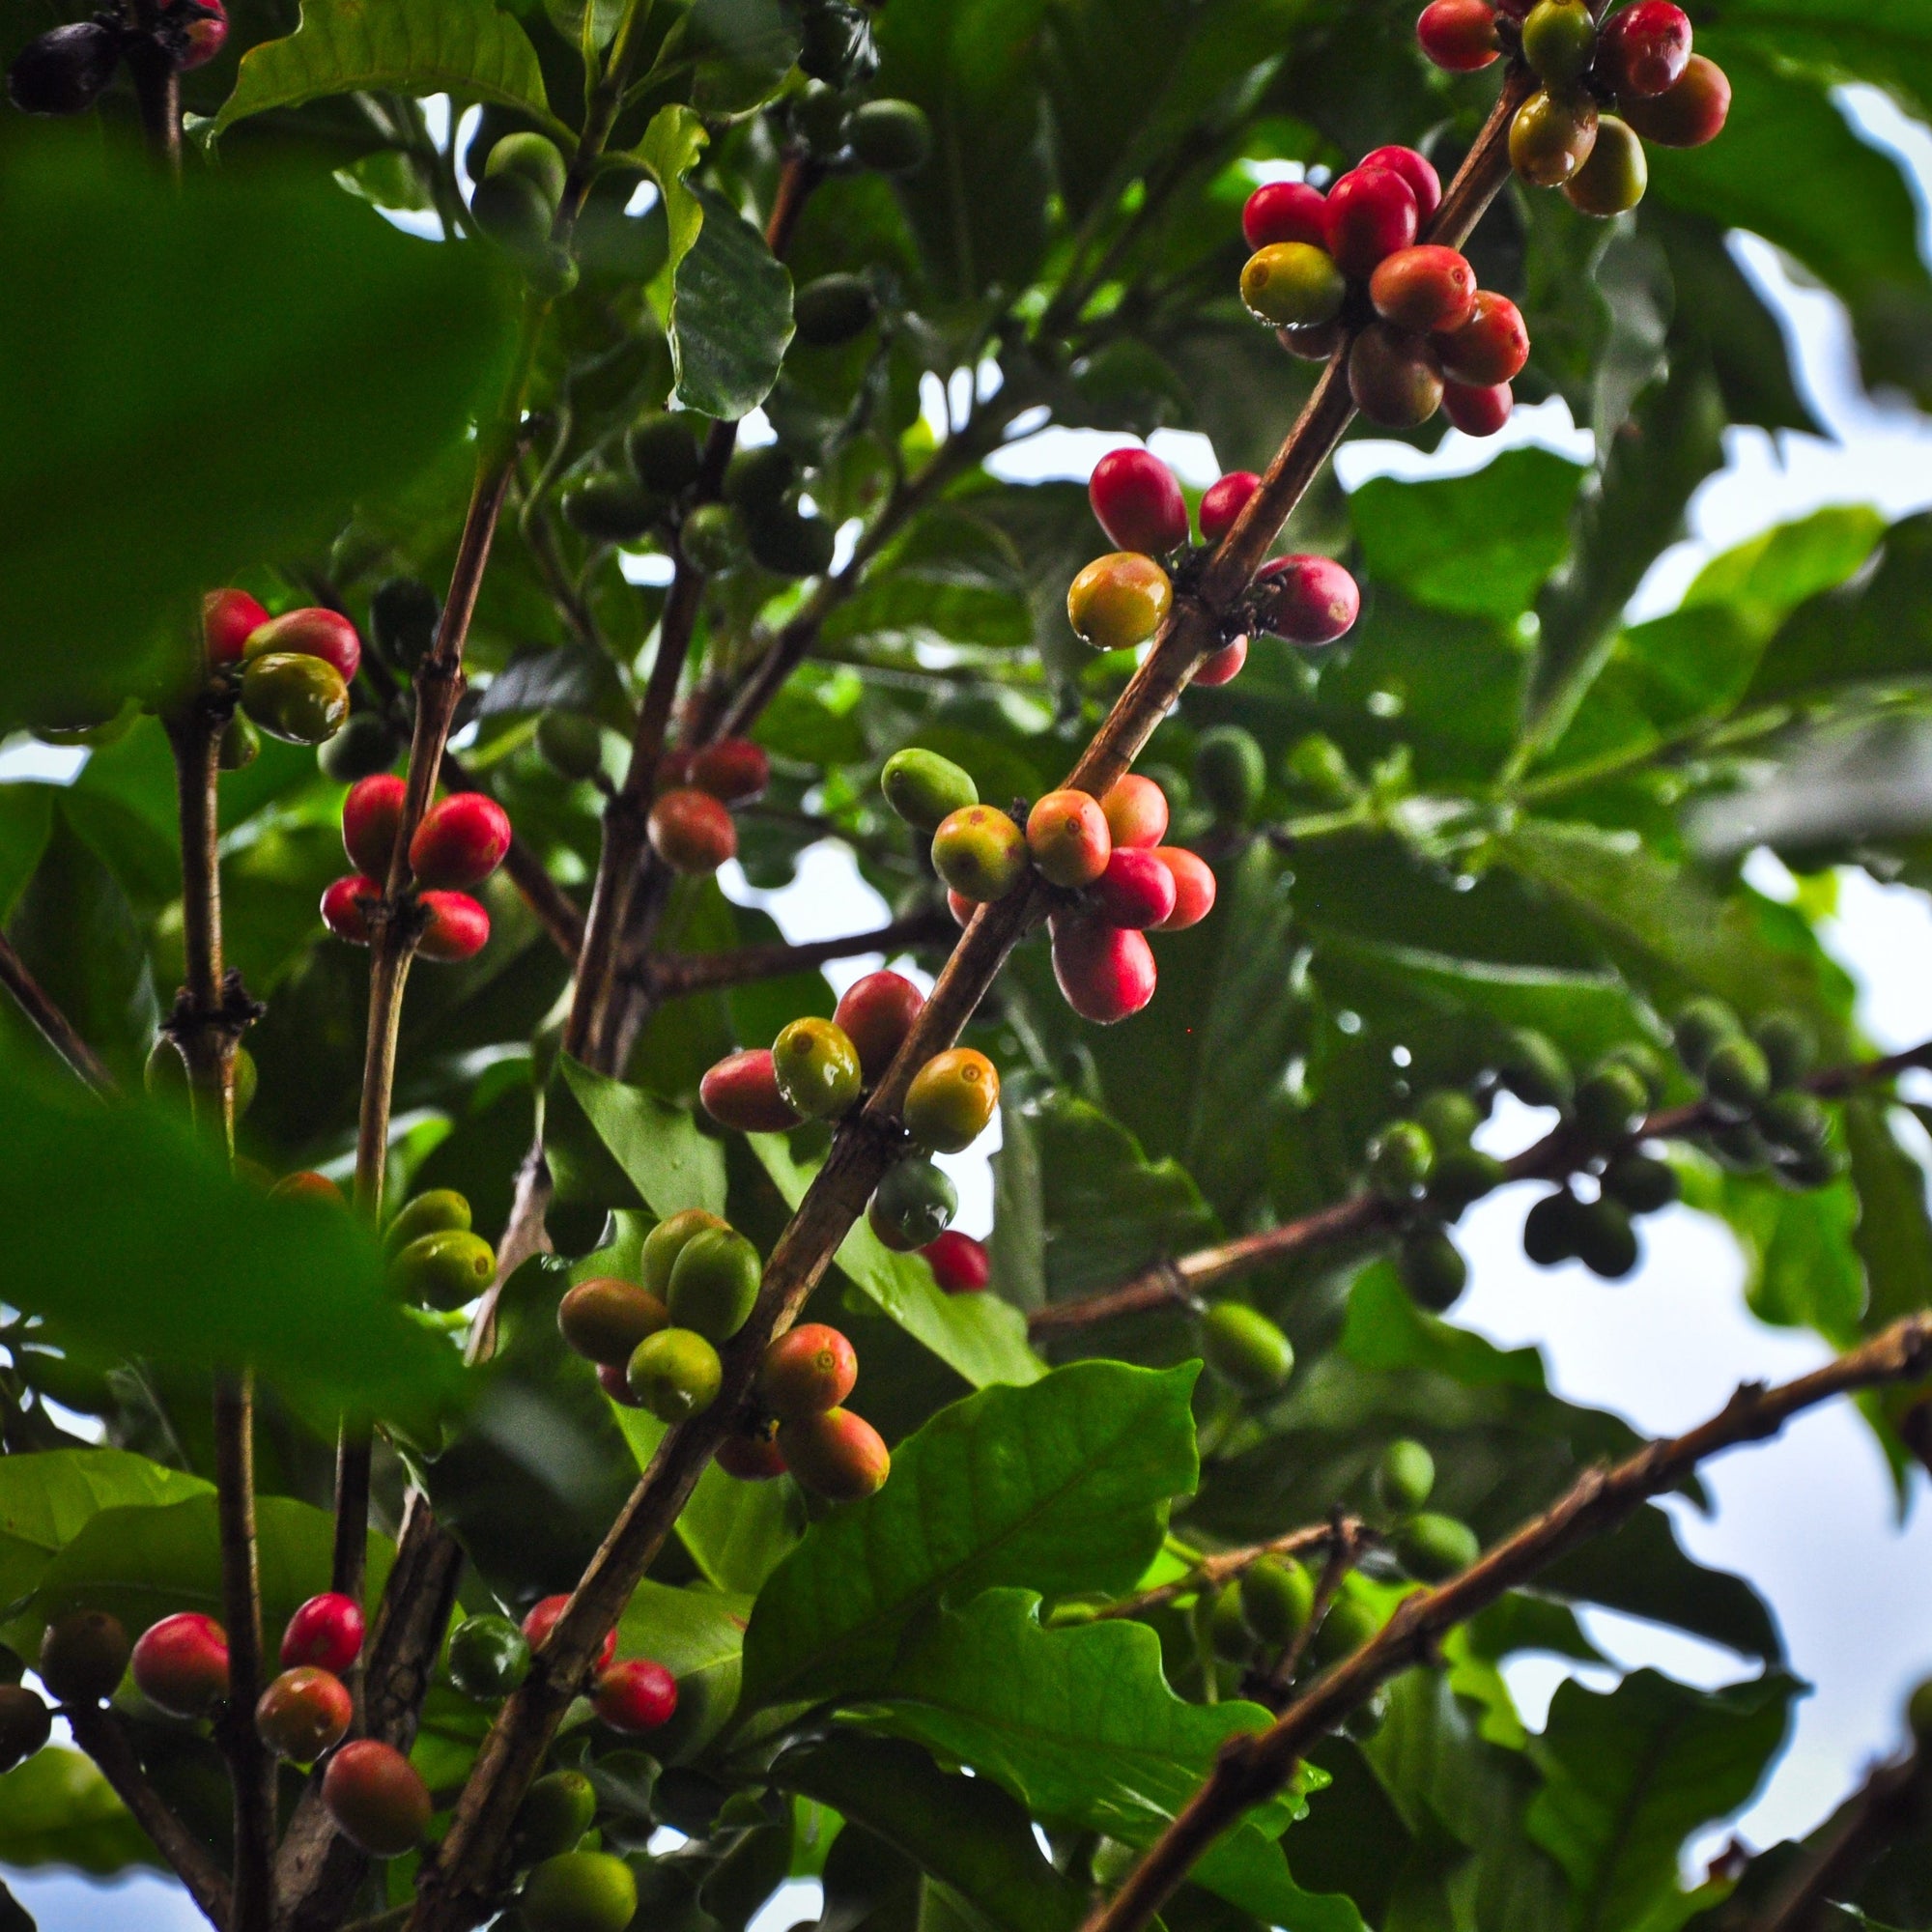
[
  {"x": 1893, "y": 1236},
  {"x": 671, "y": 148},
  {"x": 57, "y": 1809},
  {"x": 730, "y": 314},
  {"x": 26, "y": 819},
  {"x": 665, "y": 1163}
]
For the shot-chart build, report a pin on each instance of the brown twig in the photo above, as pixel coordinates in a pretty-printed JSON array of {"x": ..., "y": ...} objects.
[
  {"x": 1212, "y": 1572},
  {"x": 53, "y": 1025},
  {"x": 1255, "y": 1766},
  {"x": 156, "y": 95},
  {"x": 670, "y": 976},
  {"x": 1892, "y": 1799},
  {"x": 1347, "y": 1540}
]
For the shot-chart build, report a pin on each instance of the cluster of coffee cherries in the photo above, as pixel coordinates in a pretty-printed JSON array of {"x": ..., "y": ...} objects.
[
  {"x": 1639, "y": 63},
  {"x": 459, "y": 842},
  {"x": 489, "y": 1657},
  {"x": 436, "y": 1259},
  {"x": 655, "y": 1346},
  {"x": 1426, "y": 336},
  {"x": 67, "y": 70},
  {"x": 291, "y": 673},
  {"x": 691, "y": 827}
]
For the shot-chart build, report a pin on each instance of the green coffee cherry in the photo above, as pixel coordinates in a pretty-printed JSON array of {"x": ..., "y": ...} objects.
[
  {"x": 1448, "y": 1116},
  {"x": 893, "y": 137},
  {"x": 1699, "y": 1027},
  {"x": 759, "y": 477},
  {"x": 714, "y": 1284},
  {"x": 788, "y": 542},
  {"x": 612, "y": 509},
  {"x": 1464, "y": 1175},
  {"x": 1559, "y": 41},
  {"x": 914, "y": 1205},
  {"x": 666, "y": 1242},
  {"x": 489, "y": 1657},
  {"x": 293, "y": 697},
  {"x": 1738, "y": 1147},
  {"x": 1405, "y": 1477},
  {"x": 1433, "y": 1547},
  {"x": 1532, "y": 1067},
  {"x": 1230, "y": 773},
  {"x": 1805, "y": 1170},
  {"x": 1795, "y": 1122},
  {"x": 1605, "y": 1240},
  {"x": 675, "y": 1374},
  {"x": 1431, "y": 1267},
  {"x": 1646, "y": 1063},
  {"x": 1245, "y": 1348},
  {"x": 1316, "y": 764},
  {"x": 1226, "y": 1627},
  {"x": 241, "y": 744},
  {"x": 819, "y": 113},
  {"x": 1735, "y": 1076},
  {"x": 1277, "y": 1598},
  {"x": 1643, "y": 1184},
  {"x": 816, "y": 1067},
  {"x": 532, "y": 158},
  {"x": 1349, "y": 1624},
  {"x": 833, "y": 309},
  {"x": 579, "y": 1892},
  {"x": 1610, "y": 1105},
  {"x": 1549, "y": 1229},
  {"x": 444, "y": 1271},
  {"x": 712, "y": 537},
  {"x": 663, "y": 452},
  {"x": 1401, "y": 1159},
  {"x": 571, "y": 744},
  {"x": 555, "y": 1812},
  {"x": 926, "y": 789},
  {"x": 366, "y": 744},
  {"x": 440, "y": 1211},
  {"x": 1615, "y": 177},
  {"x": 1789, "y": 1046},
  {"x": 981, "y": 853}
]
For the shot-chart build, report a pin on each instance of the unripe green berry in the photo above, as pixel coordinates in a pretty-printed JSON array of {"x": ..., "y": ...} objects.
[
  {"x": 1738, "y": 1147},
  {"x": 1448, "y": 1116},
  {"x": 443, "y": 1271},
  {"x": 663, "y": 452},
  {"x": 1551, "y": 137},
  {"x": 579, "y": 1892},
  {"x": 926, "y": 789},
  {"x": 1226, "y": 1628},
  {"x": 535, "y": 158},
  {"x": 1317, "y": 765},
  {"x": 1614, "y": 178},
  {"x": 714, "y": 1283},
  {"x": 1646, "y": 1063},
  {"x": 295, "y": 698},
  {"x": 952, "y": 1099},
  {"x": 1401, "y": 1158},
  {"x": 1559, "y": 41},
  {"x": 570, "y": 743},
  {"x": 1348, "y": 1624},
  {"x": 1789, "y": 1046},
  {"x": 1431, "y": 1267},
  {"x": 1532, "y": 1067},
  {"x": 1549, "y": 1229},
  {"x": 914, "y": 1205},
  {"x": 1610, "y": 1105},
  {"x": 1277, "y": 1597},
  {"x": 1795, "y": 1122},
  {"x": 612, "y": 509},
  {"x": 1405, "y": 1477},
  {"x": 760, "y": 476},
  {"x": 893, "y": 136},
  {"x": 1230, "y": 773},
  {"x": 439, "y": 1210},
  {"x": 1700, "y": 1027},
  {"x": 712, "y": 536},
  {"x": 675, "y": 1374},
  {"x": 816, "y": 1067},
  {"x": 1293, "y": 285},
  {"x": 666, "y": 1242},
  {"x": 1434, "y": 1547},
  {"x": 1606, "y": 1242},
  {"x": 489, "y": 1657},
  {"x": 1244, "y": 1348},
  {"x": 403, "y": 616},
  {"x": 556, "y": 1813},
  {"x": 1735, "y": 1076},
  {"x": 1803, "y": 1170},
  {"x": 833, "y": 309},
  {"x": 1643, "y": 1184},
  {"x": 1368, "y": 1716},
  {"x": 819, "y": 113},
  {"x": 787, "y": 542},
  {"x": 241, "y": 744},
  {"x": 1464, "y": 1175}
]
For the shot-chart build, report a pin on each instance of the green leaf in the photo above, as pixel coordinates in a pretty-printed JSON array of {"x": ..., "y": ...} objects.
[
  {"x": 671, "y": 148},
  {"x": 981, "y": 1336},
  {"x": 57, "y": 1809},
  {"x": 1060, "y": 1486},
  {"x": 1800, "y": 1258},
  {"x": 1893, "y": 1237},
  {"x": 462, "y": 47},
  {"x": 26, "y": 819},
  {"x": 656, "y": 1148},
  {"x": 730, "y": 314}
]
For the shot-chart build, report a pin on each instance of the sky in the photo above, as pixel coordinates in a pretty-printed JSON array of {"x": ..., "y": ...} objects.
[{"x": 1810, "y": 1518}]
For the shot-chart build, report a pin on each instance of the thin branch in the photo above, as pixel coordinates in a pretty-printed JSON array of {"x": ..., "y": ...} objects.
[
  {"x": 1346, "y": 1542},
  {"x": 670, "y": 976},
  {"x": 54, "y": 1026},
  {"x": 1226, "y": 1565},
  {"x": 1889, "y": 1804},
  {"x": 157, "y": 97}
]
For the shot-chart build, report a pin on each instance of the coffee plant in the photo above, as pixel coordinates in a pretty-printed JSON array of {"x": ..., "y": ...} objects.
[{"x": 522, "y": 1441}]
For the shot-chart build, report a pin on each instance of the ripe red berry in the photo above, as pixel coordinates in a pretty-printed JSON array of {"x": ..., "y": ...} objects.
[
  {"x": 302, "y": 1713},
  {"x": 1223, "y": 667},
  {"x": 205, "y": 36},
  {"x": 1460, "y": 36},
  {"x": 1136, "y": 891},
  {"x": 876, "y": 1013},
  {"x": 1645, "y": 49},
  {"x": 1067, "y": 832},
  {"x": 1105, "y": 971},
  {"x": 1394, "y": 377},
  {"x": 961, "y": 908},
  {"x": 1416, "y": 169},
  {"x": 672, "y": 773},
  {"x": 839, "y": 1456},
  {"x": 1137, "y": 503},
  {"x": 959, "y": 1264},
  {"x": 326, "y": 1632},
  {"x": 807, "y": 1369},
  {"x": 305, "y": 1185},
  {"x": 375, "y": 1797},
  {"x": 1423, "y": 288},
  {"x": 1193, "y": 887},
  {"x": 1224, "y": 502},
  {"x": 1688, "y": 114},
  {"x": 1491, "y": 347},
  {"x": 228, "y": 618},
  {"x": 1308, "y": 600},
  {"x": 1477, "y": 411},
  {"x": 692, "y": 832},
  {"x": 617, "y": 1384},
  {"x": 634, "y": 1695},
  {"x": 1136, "y": 811},
  {"x": 314, "y": 633},
  {"x": 733, "y": 770},
  {"x": 460, "y": 842},
  {"x": 455, "y": 928},
  {"x": 542, "y": 1620},
  {"x": 370, "y": 814},
  {"x": 180, "y": 1665},
  {"x": 1372, "y": 213},
  {"x": 741, "y": 1093},
  {"x": 1286, "y": 212},
  {"x": 344, "y": 907},
  {"x": 751, "y": 1458}
]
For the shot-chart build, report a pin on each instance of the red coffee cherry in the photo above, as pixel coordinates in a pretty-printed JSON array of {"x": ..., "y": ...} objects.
[
  {"x": 1477, "y": 411},
  {"x": 1424, "y": 288},
  {"x": 672, "y": 771},
  {"x": 305, "y": 1185},
  {"x": 82, "y": 1655},
  {"x": 541, "y": 1620},
  {"x": 1372, "y": 213},
  {"x": 1489, "y": 348},
  {"x": 326, "y": 1632},
  {"x": 205, "y": 36},
  {"x": 1394, "y": 377},
  {"x": 1067, "y": 832},
  {"x": 1194, "y": 888},
  {"x": 1308, "y": 600},
  {"x": 961, "y": 908},
  {"x": 806, "y": 1370},
  {"x": 1460, "y": 36},
  {"x": 1688, "y": 114},
  {"x": 370, "y": 814},
  {"x": 1224, "y": 665},
  {"x": 1137, "y": 503},
  {"x": 741, "y": 1093},
  {"x": 634, "y": 1695},
  {"x": 455, "y": 928},
  {"x": 617, "y": 1384},
  {"x": 25, "y": 1724},
  {"x": 460, "y": 842},
  {"x": 228, "y": 620},
  {"x": 751, "y": 1458},
  {"x": 1416, "y": 169},
  {"x": 692, "y": 832},
  {"x": 180, "y": 1665},
  {"x": 876, "y": 1013},
  {"x": 1226, "y": 498},
  {"x": 344, "y": 907},
  {"x": 376, "y": 1799},
  {"x": 316, "y": 632},
  {"x": 303, "y": 1712},
  {"x": 1645, "y": 49},
  {"x": 1136, "y": 891},
  {"x": 733, "y": 770},
  {"x": 839, "y": 1456},
  {"x": 1286, "y": 212},
  {"x": 959, "y": 1264},
  {"x": 1136, "y": 811},
  {"x": 1105, "y": 971}
]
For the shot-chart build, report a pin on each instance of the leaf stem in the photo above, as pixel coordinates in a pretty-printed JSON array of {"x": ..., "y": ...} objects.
[{"x": 53, "y": 1025}]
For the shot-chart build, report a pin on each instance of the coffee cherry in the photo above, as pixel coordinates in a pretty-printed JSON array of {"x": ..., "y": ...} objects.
[
  {"x": 741, "y": 1093},
  {"x": 455, "y": 929},
  {"x": 663, "y": 452},
  {"x": 1230, "y": 772},
  {"x": 1067, "y": 836},
  {"x": 317, "y": 633},
  {"x": 1136, "y": 891},
  {"x": 1372, "y": 213},
  {"x": 1244, "y": 1348},
  {"x": 180, "y": 1665},
  {"x": 570, "y": 744},
  {"x": 1789, "y": 1046},
  {"x": 1448, "y": 1117},
  {"x": 1286, "y": 212},
  {"x": 1643, "y": 1184},
  {"x": 489, "y": 1657},
  {"x": 893, "y": 137},
  {"x": 1403, "y": 1477},
  {"x": 1460, "y": 36},
  {"x": 712, "y": 537},
  {"x": 714, "y": 1283},
  {"x": 1316, "y": 764},
  {"x": 1610, "y": 1105},
  {"x": 64, "y": 72},
  {"x": 733, "y": 770},
  {"x": 1532, "y": 1067},
  {"x": 1477, "y": 411},
  {"x": 634, "y": 1696},
  {"x": 82, "y": 1655},
  {"x": 446, "y": 1270},
  {"x": 981, "y": 853},
  {"x": 403, "y": 616},
  {"x": 807, "y": 1369},
  {"x": 1700, "y": 1027},
  {"x": 1222, "y": 667},
  {"x": 557, "y": 1811},
  {"x": 666, "y": 1241},
  {"x": 1401, "y": 1159},
  {"x": 532, "y": 158},
  {"x": 1119, "y": 601},
  {"x": 876, "y": 1013},
  {"x": 579, "y": 1892},
  {"x": 611, "y": 1378},
  {"x": 952, "y": 1099},
  {"x": 1225, "y": 1627},
  {"x": 675, "y": 1374},
  {"x": 833, "y": 309},
  {"x": 241, "y": 744},
  {"x": 1138, "y": 501},
  {"x": 376, "y": 1799},
  {"x": 367, "y": 744},
  {"x": 959, "y": 1264},
  {"x": 1312, "y": 345},
  {"x": 307, "y": 1186},
  {"x": 837, "y": 1455},
  {"x": 460, "y": 841},
  {"x": 1431, "y": 1267},
  {"x": 1293, "y": 285},
  {"x": 1225, "y": 500},
  {"x": 1416, "y": 169},
  {"x": 296, "y": 698},
  {"x": 325, "y": 1632},
  {"x": 1605, "y": 1240},
  {"x": 1105, "y": 971},
  {"x": 1433, "y": 1547},
  {"x": 1645, "y": 49},
  {"x": 926, "y": 789},
  {"x": 541, "y": 1619},
  {"x": 1613, "y": 179},
  {"x": 914, "y": 1203},
  {"x": 344, "y": 907},
  {"x": 1308, "y": 600},
  {"x": 1135, "y": 809},
  {"x": 759, "y": 477},
  {"x": 228, "y": 620},
  {"x": 371, "y": 815},
  {"x": 692, "y": 832},
  {"x": 1194, "y": 888},
  {"x": 1491, "y": 347},
  {"x": 1685, "y": 115},
  {"x": 1549, "y": 1229},
  {"x": 604, "y": 1319},
  {"x": 1424, "y": 288},
  {"x": 816, "y": 1067},
  {"x": 203, "y": 37},
  {"x": 751, "y": 1458},
  {"x": 25, "y": 1724},
  {"x": 1277, "y": 1597},
  {"x": 1559, "y": 41},
  {"x": 1345, "y": 1627},
  {"x": 788, "y": 542},
  {"x": 1551, "y": 135},
  {"x": 439, "y": 1211},
  {"x": 1394, "y": 377},
  {"x": 1735, "y": 1076},
  {"x": 303, "y": 1712}
]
